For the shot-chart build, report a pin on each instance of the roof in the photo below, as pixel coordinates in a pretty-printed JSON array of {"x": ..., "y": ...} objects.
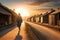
[
  {"x": 7, "y": 11},
  {"x": 3, "y": 10},
  {"x": 57, "y": 11},
  {"x": 47, "y": 13}
]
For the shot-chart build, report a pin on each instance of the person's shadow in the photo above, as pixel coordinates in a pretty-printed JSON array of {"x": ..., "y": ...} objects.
[{"x": 18, "y": 37}]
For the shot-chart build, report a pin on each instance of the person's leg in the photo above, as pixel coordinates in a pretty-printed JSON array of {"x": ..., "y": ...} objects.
[{"x": 19, "y": 29}]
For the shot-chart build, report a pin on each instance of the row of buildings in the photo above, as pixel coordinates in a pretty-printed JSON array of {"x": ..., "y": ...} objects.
[
  {"x": 7, "y": 17},
  {"x": 48, "y": 18}
]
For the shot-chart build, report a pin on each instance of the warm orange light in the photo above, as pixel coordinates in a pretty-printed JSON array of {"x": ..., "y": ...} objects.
[{"x": 23, "y": 11}]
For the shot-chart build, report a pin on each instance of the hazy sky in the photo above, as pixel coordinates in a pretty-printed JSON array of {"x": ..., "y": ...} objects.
[
  {"x": 31, "y": 4},
  {"x": 15, "y": 3}
]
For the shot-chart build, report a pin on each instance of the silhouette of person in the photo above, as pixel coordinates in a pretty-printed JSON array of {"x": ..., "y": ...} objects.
[{"x": 19, "y": 21}]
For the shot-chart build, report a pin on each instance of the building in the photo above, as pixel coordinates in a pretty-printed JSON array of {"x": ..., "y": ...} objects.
[
  {"x": 38, "y": 18},
  {"x": 34, "y": 18},
  {"x": 7, "y": 16},
  {"x": 45, "y": 17},
  {"x": 55, "y": 18}
]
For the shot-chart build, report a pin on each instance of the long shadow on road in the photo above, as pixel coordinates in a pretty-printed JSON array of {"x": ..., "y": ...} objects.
[
  {"x": 37, "y": 33},
  {"x": 2, "y": 33},
  {"x": 18, "y": 37}
]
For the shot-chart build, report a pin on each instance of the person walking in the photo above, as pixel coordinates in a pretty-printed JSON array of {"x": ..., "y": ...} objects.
[{"x": 19, "y": 21}]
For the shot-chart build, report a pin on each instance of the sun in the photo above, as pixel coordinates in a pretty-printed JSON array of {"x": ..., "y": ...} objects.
[{"x": 23, "y": 11}]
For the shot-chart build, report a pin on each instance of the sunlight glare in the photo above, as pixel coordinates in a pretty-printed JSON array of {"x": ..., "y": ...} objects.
[{"x": 23, "y": 11}]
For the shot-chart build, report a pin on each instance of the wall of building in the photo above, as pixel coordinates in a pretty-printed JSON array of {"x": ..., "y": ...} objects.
[
  {"x": 46, "y": 19},
  {"x": 5, "y": 19}
]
